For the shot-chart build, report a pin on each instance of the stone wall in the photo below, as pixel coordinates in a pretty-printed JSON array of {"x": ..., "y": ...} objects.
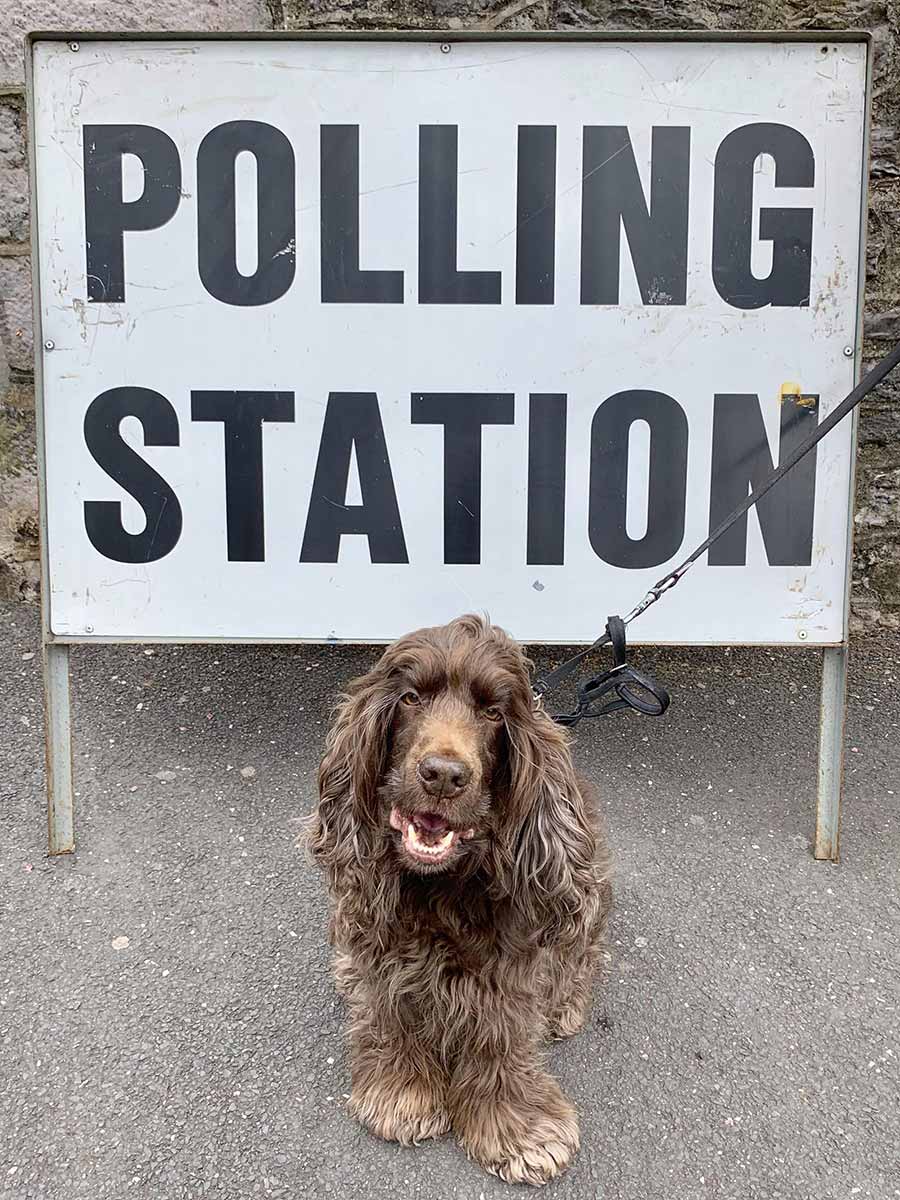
[{"x": 876, "y": 589}]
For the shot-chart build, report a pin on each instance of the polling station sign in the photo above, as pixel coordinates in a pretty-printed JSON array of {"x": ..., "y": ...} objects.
[{"x": 341, "y": 337}]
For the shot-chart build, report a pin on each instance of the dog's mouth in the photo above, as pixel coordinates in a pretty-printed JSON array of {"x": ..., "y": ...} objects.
[{"x": 427, "y": 836}]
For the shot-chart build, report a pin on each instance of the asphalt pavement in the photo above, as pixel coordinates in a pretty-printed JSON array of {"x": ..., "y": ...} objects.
[{"x": 168, "y": 1027}]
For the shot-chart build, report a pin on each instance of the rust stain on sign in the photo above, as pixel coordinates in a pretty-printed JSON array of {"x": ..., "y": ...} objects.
[{"x": 794, "y": 393}]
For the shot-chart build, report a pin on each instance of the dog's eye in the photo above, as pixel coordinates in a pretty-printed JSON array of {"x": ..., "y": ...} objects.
[
  {"x": 493, "y": 713},
  {"x": 411, "y": 698}
]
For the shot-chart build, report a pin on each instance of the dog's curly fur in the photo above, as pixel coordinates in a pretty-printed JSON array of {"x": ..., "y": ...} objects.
[{"x": 455, "y": 976}]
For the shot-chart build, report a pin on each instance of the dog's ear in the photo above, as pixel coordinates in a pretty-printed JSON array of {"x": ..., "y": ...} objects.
[
  {"x": 547, "y": 842},
  {"x": 356, "y": 751}
]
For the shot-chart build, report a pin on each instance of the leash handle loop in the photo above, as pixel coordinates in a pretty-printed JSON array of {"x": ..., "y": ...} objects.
[{"x": 630, "y": 688}]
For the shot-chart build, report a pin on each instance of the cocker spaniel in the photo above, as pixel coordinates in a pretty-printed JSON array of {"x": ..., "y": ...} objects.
[{"x": 470, "y": 887}]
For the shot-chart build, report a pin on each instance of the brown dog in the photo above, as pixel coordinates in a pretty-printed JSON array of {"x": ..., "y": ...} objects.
[{"x": 471, "y": 889}]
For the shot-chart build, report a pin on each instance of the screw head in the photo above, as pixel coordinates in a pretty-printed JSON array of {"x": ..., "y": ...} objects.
[
  {"x": 88, "y": 629},
  {"x": 74, "y": 47},
  {"x": 49, "y": 345},
  {"x": 848, "y": 352},
  {"x": 445, "y": 47},
  {"x": 802, "y": 635}
]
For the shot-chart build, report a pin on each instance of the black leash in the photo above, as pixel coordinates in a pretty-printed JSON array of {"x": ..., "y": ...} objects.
[{"x": 633, "y": 688}]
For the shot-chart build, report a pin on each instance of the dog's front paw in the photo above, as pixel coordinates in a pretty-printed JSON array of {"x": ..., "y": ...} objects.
[
  {"x": 399, "y": 1112},
  {"x": 524, "y": 1143},
  {"x": 569, "y": 1020}
]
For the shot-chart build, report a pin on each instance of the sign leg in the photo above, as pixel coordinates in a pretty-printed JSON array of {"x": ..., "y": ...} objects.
[
  {"x": 58, "y": 739},
  {"x": 831, "y": 753}
]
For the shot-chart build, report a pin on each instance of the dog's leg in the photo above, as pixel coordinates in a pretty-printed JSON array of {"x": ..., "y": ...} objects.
[
  {"x": 398, "y": 1088},
  {"x": 572, "y": 975},
  {"x": 509, "y": 1114},
  {"x": 570, "y": 994},
  {"x": 346, "y": 976}
]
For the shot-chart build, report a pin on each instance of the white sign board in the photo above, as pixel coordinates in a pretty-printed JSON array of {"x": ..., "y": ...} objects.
[{"x": 341, "y": 338}]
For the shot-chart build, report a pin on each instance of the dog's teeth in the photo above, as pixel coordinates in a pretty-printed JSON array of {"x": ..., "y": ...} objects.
[{"x": 412, "y": 835}]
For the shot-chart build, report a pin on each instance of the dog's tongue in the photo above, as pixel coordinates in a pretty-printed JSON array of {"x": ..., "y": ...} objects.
[{"x": 430, "y": 822}]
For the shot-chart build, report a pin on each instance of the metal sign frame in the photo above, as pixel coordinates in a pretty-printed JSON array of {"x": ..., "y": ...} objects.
[{"x": 55, "y": 648}]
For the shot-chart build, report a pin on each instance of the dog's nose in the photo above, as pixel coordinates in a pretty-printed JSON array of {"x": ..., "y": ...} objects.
[{"x": 443, "y": 776}]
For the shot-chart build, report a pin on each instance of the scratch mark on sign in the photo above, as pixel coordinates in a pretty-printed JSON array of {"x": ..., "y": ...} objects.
[
  {"x": 564, "y": 192},
  {"x": 162, "y": 509},
  {"x": 699, "y": 75},
  {"x": 634, "y": 58},
  {"x": 390, "y": 187},
  {"x": 726, "y": 112},
  {"x": 466, "y": 507},
  {"x": 170, "y": 307},
  {"x": 657, "y": 294},
  {"x": 110, "y": 583},
  {"x": 684, "y": 337},
  {"x": 80, "y": 309},
  {"x": 70, "y": 157},
  {"x": 103, "y": 285},
  {"x": 288, "y": 249},
  {"x": 392, "y": 70},
  {"x": 471, "y": 603}
]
